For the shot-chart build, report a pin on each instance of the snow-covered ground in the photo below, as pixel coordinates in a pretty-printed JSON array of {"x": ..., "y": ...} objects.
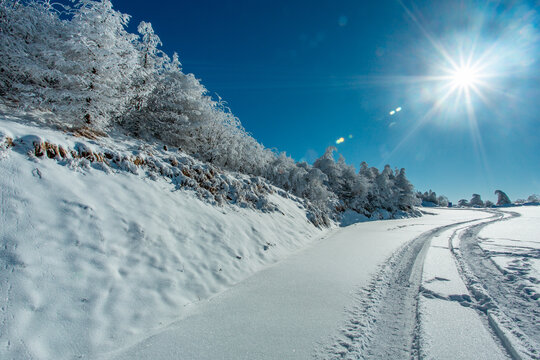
[
  {"x": 515, "y": 248},
  {"x": 93, "y": 258},
  {"x": 446, "y": 314},
  {"x": 295, "y": 308},
  {"x": 480, "y": 279},
  {"x": 140, "y": 258}
]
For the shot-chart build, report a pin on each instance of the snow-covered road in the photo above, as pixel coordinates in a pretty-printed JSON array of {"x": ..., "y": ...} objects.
[{"x": 370, "y": 290}]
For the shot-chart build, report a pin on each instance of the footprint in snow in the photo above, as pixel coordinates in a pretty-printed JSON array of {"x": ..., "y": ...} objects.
[{"x": 37, "y": 173}]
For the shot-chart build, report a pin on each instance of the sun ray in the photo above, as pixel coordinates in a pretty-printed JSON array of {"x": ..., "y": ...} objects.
[
  {"x": 419, "y": 124},
  {"x": 475, "y": 134},
  {"x": 436, "y": 44}
]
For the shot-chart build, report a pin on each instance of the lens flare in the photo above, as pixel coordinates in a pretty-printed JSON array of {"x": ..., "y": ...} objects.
[{"x": 340, "y": 140}]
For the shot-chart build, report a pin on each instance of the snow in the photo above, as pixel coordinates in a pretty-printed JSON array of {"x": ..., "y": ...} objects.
[
  {"x": 517, "y": 253},
  {"x": 118, "y": 262},
  {"x": 451, "y": 331},
  {"x": 289, "y": 309},
  {"x": 446, "y": 317},
  {"x": 440, "y": 274},
  {"x": 92, "y": 260}
]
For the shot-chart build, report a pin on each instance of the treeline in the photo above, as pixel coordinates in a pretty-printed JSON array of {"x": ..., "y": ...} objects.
[
  {"x": 430, "y": 198},
  {"x": 502, "y": 200},
  {"x": 77, "y": 60}
]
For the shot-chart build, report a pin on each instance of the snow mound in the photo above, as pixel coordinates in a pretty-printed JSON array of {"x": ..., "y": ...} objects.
[{"x": 104, "y": 241}]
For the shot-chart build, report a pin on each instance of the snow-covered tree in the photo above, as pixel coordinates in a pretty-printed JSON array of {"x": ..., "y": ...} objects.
[
  {"x": 106, "y": 55},
  {"x": 428, "y": 198},
  {"x": 533, "y": 199},
  {"x": 32, "y": 52},
  {"x": 407, "y": 198},
  {"x": 502, "y": 198},
  {"x": 476, "y": 201},
  {"x": 76, "y": 59},
  {"x": 489, "y": 204},
  {"x": 384, "y": 185},
  {"x": 443, "y": 201},
  {"x": 150, "y": 62},
  {"x": 463, "y": 202},
  {"x": 73, "y": 60}
]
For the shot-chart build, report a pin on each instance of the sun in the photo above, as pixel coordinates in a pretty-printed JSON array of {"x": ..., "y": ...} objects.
[{"x": 464, "y": 77}]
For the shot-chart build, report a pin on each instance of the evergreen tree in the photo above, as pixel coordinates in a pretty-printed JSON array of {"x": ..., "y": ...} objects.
[{"x": 476, "y": 201}]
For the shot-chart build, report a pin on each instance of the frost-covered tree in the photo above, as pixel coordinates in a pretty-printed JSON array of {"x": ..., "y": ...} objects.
[
  {"x": 73, "y": 60},
  {"x": 301, "y": 179},
  {"x": 32, "y": 48},
  {"x": 368, "y": 176},
  {"x": 150, "y": 62},
  {"x": 428, "y": 198},
  {"x": 442, "y": 201},
  {"x": 385, "y": 186},
  {"x": 407, "y": 198},
  {"x": 502, "y": 198},
  {"x": 476, "y": 201},
  {"x": 106, "y": 55},
  {"x": 488, "y": 204},
  {"x": 533, "y": 199},
  {"x": 463, "y": 202},
  {"x": 77, "y": 60}
]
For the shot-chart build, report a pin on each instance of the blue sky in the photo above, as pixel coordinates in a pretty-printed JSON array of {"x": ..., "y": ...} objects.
[{"x": 302, "y": 74}]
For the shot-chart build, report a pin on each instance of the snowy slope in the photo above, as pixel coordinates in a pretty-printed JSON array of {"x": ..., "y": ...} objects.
[
  {"x": 96, "y": 256},
  {"x": 313, "y": 304}
]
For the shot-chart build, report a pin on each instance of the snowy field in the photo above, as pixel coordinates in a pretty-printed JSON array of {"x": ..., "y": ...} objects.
[{"x": 104, "y": 263}]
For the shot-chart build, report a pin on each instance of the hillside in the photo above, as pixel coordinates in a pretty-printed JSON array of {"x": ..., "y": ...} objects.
[
  {"x": 91, "y": 244},
  {"x": 77, "y": 63}
]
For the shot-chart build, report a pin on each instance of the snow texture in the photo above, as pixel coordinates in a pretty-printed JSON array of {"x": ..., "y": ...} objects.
[
  {"x": 95, "y": 257},
  {"x": 446, "y": 314}
]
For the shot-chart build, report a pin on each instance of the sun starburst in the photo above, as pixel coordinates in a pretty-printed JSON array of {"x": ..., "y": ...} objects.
[{"x": 464, "y": 77}]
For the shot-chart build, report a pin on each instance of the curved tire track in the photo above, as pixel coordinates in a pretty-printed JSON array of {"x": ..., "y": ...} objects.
[
  {"x": 511, "y": 314},
  {"x": 384, "y": 322}
]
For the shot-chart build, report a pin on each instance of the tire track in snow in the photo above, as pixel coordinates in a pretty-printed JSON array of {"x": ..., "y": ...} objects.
[
  {"x": 512, "y": 315},
  {"x": 384, "y": 321}
]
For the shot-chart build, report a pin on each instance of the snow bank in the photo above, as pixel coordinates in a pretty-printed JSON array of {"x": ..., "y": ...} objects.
[{"x": 96, "y": 252}]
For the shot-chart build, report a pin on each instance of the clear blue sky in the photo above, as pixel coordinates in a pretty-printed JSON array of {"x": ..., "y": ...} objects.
[{"x": 302, "y": 74}]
